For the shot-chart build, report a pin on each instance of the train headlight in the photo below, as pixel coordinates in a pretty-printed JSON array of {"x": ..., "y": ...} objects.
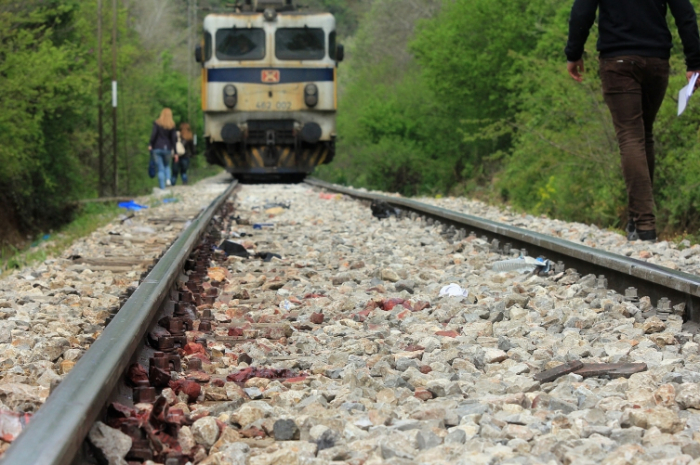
[
  {"x": 311, "y": 95},
  {"x": 230, "y": 96}
]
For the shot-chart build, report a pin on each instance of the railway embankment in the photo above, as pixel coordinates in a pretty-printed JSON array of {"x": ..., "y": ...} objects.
[{"x": 321, "y": 334}]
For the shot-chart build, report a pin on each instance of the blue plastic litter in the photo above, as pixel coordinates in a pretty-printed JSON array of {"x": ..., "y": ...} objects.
[
  {"x": 263, "y": 226},
  {"x": 44, "y": 238},
  {"x": 170, "y": 200},
  {"x": 132, "y": 206}
]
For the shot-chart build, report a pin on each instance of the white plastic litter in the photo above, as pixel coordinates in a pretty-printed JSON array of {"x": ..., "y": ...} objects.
[
  {"x": 522, "y": 264},
  {"x": 287, "y": 305},
  {"x": 454, "y": 290}
]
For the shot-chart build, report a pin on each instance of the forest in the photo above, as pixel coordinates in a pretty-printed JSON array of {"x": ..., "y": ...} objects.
[
  {"x": 49, "y": 96},
  {"x": 49, "y": 154},
  {"x": 472, "y": 97},
  {"x": 437, "y": 97}
]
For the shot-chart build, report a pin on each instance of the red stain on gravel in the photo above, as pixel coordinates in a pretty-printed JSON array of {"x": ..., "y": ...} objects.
[
  {"x": 450, "y": 333},
  {"x": 403, "y": 314},
  {"x": 361, "y": 316},
  {"x": 313, "y": 296},
  {"x": 253, "y": 432},
  {"x": 138, "y": 375},
  {"x": 151, "y": 423},
  {"x": 389, "y": 304},
  {"x": 235, "y": 332},
  {"x": 191, "y": 388},
  {"x": 193, "y": 348},
  {"x": 420, "y": 305},
  {"x": 414, "y": 348},
  {"x": 297, "y": 379},
  {"x": 12, "y": 423}
]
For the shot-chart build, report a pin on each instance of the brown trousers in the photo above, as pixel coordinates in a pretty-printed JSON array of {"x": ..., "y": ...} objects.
[{"x": 634, "y": 88}]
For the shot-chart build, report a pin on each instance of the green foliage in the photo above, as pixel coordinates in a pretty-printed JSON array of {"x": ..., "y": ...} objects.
[
  {"x": 48, "y": 95},
  {"x": 484, "y": 106},
  {"x": 44, "y": 90}
]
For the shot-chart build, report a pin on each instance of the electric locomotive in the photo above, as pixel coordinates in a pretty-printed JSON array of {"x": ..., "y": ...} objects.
[{"x": 269, "y": 89}]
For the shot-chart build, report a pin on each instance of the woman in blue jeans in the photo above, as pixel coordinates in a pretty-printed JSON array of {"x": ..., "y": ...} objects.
[{"x": 162, "y": 145}]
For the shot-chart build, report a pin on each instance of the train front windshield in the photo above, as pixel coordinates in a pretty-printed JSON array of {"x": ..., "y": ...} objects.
[
  {"x": 240, "y": 44},
  {"x": 300, "y": 44}
]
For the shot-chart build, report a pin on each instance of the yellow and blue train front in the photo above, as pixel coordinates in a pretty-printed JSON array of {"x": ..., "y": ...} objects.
[{"x": 263, "y": 120}]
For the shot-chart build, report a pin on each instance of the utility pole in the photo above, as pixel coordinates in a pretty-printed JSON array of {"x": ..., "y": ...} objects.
[
  {"x": 100, "y": 135},
  {"x": 189, "y": 61},
  {"x": 195, "y": 29},
  {"x": 115, "y": 179}
]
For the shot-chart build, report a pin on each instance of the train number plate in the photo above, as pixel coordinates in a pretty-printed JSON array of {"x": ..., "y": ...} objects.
[{"x": 273, "y": 106}]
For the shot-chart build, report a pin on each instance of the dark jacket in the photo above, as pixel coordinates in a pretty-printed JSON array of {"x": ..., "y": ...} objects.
[
  {"x": 634, "y": 27},
  {"x": 189, "y": 148},
  {"x": 163, "y": 139}
]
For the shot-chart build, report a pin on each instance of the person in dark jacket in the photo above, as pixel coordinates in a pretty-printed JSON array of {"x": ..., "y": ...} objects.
[
  {"x": 182, "y": 162},
  {"x": 635, "y": 46},
  {"x": 162, "y": 145}
]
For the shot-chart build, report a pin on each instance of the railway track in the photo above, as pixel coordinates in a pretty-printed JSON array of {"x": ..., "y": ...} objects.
[
  {"x": 65, "y": 419},
  {"x": 621, "y": 272},
  {"x": 318, "y": 339}
]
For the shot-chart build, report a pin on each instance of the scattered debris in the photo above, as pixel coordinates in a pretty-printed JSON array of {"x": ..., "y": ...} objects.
[
  {"x": 132, "y": 206},
  {"x": 268, "y": 373},
  {"x": 454, "y": 290},
  {"x": 233, "y": 248},
  {"x": 556, "y": 372},
  {"x": 588, "y": 370},
  {"x": 523, "y": 265},
  {"x": 12, "y": 423},
  {"x": 382, "y": 210}
]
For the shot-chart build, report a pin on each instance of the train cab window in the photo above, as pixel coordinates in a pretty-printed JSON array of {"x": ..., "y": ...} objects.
[
  {"x": 240, "y": 44},
  {"x": 207, "y": 46},
  {"x": 332, "y": 45},
  {"x": 300, "y": 44}
]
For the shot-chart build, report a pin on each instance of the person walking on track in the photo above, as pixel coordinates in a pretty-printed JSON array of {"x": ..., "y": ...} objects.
[
  {"x": 162, "y": 144},
  {"x": 635, "y": 46},
  {"x": 182, "y": 161}
]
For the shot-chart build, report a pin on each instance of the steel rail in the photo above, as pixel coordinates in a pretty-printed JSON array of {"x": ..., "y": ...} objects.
[
  {"x": 56, "y": 433},
  {"x": 621, "y": 271}
]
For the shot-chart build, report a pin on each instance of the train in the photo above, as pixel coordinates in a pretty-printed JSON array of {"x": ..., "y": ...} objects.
[{"x": 269, "y": 89}]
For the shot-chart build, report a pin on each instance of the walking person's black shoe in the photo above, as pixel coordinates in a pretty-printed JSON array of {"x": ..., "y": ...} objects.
[
  {"x": 636, "y": 235},
  {"x": 648, "y": 236}
]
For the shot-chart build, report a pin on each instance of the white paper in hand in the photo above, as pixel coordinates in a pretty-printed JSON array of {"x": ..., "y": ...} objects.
[{"x": 685, "y": 93}]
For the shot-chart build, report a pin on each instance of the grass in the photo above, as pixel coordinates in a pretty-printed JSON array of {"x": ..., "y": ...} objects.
[
  {"x": 89, "y": 218},
  {"x": 197, "y": 173}
]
